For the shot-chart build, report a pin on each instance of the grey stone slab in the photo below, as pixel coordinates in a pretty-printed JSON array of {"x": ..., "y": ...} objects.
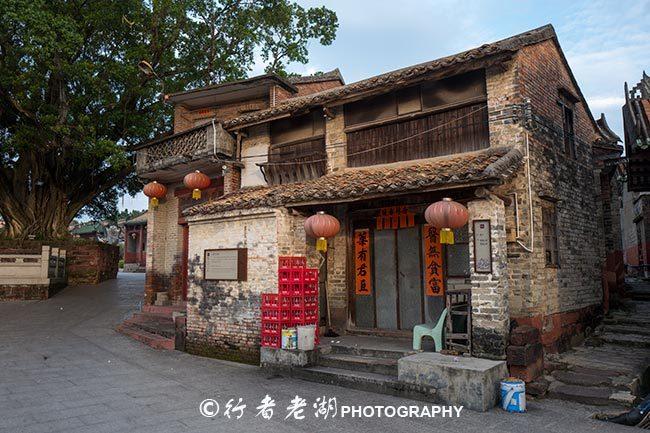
[{"x": 471, "y": 382}]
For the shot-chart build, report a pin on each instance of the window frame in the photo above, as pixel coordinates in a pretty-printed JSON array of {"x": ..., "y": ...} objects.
[
  {"x": 568, "y": 128},
  {"x": 550, "y": 235}
]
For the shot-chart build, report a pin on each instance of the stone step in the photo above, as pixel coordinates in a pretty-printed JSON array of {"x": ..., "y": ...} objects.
[
  {"x": 163, "y": 309},
  {"x": 344, "y": 349},
  {"x": 627, "y": 340},
  {"x": 583, "y": 379},
  {"x": 387, "y": 366},
  {"x": 627, "y": 329},
  {"x": 164, "y": 328},
  {"x": 158, "y": 317},
  {"x": 152, "y": 340},
  {"x": 364, "y": 381},
  {"x": 628, "y": 319},
  {"x": 593, "y": 395}
]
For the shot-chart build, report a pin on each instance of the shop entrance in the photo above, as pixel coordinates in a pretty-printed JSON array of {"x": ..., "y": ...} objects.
[{"x": 397, "y": 298}]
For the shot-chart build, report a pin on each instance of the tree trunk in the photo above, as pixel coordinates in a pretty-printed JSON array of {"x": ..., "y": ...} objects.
[{"x": 46, "y": 216}]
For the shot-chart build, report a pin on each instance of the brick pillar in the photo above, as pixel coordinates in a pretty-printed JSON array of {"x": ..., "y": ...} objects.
[
  {"x": 490, "y": 314},
  {"x": 337, "y": 287},
  {"x": 231, "y": 179}
]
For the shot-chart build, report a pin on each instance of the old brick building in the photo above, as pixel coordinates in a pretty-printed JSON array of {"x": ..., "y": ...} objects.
[{"x": 502, "y": 128}]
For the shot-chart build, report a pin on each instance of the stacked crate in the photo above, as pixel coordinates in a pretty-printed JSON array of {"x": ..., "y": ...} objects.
[{"x": 295, "y": 304}]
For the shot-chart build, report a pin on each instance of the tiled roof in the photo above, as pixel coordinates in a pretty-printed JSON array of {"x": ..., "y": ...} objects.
[
  {"x": 334, "y": 74},
  {"x": 395, "y": 78},
  {"x": 490, "y": 165}
]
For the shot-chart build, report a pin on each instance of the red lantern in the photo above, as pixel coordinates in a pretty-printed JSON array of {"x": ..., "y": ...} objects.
[
  {"x": 196, "y": 181},
  {"x": 322, "y": 226},
  {"x": 155, "y": 191},
  {"x": 446, "y": 215}
]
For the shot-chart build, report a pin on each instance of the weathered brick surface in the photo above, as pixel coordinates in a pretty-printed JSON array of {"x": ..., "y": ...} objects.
[
  {"x": 224, "y": 316},
  {"x": 523, "y": 335},
  {"x": 164, "y": 249},
  {"x": 185, "y": 119}
]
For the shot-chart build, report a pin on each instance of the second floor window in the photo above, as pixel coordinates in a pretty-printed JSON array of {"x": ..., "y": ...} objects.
[
  {"x": 549, "y": 232},
  {"x": 567, "y": 129}
]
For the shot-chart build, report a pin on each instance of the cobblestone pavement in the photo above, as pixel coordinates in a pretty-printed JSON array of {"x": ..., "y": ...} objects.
[{"x": 64, "y": 368}]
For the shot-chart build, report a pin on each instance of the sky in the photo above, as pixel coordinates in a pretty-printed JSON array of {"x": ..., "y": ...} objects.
[{"x": 606, "y": 42}]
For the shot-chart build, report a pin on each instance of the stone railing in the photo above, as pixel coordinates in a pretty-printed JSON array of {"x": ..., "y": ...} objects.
[
  {"x": 34, "y": 269},
  {"x": 184, "y": 147}
]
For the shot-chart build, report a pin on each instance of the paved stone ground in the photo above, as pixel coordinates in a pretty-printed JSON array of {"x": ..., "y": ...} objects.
[{"x": 64, "y": 368}]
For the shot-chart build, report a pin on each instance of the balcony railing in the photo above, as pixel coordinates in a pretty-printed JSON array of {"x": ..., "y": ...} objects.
[{"x": 184, "y": 148}]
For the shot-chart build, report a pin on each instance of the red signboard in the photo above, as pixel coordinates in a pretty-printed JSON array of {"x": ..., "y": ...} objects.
[
  {"x": 433, "y": 276},
  {"x": 362, "y": 274}
]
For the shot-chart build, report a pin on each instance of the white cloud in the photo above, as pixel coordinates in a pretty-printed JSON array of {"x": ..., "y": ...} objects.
[{"x": 605, "y": 102}]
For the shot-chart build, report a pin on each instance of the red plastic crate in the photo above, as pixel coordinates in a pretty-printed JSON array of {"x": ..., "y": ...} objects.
[
  {"x": 311, "y": 301},
  {"x": 292, "y": 262},
  {"x": 297, "y": 289},
  {"x": 310, "y": 275},
  {"x": 272, "y": 341},
  {"x": 297, "y": 301},
  {"x": 271, "y": 328},
  {"x": 271, "y": 314},
  {"x": 285, "y": 300},
  {"x": 285, "y": 290},
  {"x": 311, "y": 315},
  {"x": 310, "y": 289},
  {"x": 270, "y": 300},
  {"x": 296, "y": 275},
  {"x": 297, "y": 316},
  {"x": 284, "y": 275},
  {"x": 286, "y": 315}
]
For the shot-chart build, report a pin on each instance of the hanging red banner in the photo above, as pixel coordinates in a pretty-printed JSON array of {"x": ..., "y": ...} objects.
[
  {"x": 362, "y": 274},
  {"x": 394, "y": 217},
  {"x": 433, "y": 276}
]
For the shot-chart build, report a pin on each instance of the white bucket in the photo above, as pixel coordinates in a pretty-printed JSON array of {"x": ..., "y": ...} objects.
[
  {"x": 306, "y": 335},
  {"x": 513, "y": 395}
]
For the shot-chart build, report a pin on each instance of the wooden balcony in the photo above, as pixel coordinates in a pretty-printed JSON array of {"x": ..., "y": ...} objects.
[{"x": 169, "y": 158}]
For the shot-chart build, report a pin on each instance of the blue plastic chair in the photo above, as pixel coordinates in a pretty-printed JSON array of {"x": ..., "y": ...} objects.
[{"x": 434, "y": 332}]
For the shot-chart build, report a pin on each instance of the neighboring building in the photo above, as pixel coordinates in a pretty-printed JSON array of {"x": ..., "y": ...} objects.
[
  {"x": 636, "y": 185},
  {"x": 502, "y": 128},
  {"x": 88, "y": 230},
  {"x": 135, "y": 243}
]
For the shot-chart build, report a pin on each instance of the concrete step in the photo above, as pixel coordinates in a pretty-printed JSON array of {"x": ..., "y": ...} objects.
[
  {"x": 164, "y": 328},
  {"x": 627, "y": 340},
  {"x": 593, "y": 395},
  {"x": 163, "y": 309},
  {"x": 152, "y": 340},
  {"x": 364, "y": 381},
  {"x": 344, "y": 349},
  {"x": 386, "y": 366},
  {"x": 627, "y": 319},
  {"x": 627, "y": 329}
]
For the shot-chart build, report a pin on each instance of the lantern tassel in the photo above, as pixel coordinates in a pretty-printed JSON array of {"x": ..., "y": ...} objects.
[
  {"x": 446, "y": 236},
  {"x": 196, "y": 194},
  {"x": 154, "y": 202},
  {"x": 321, "y": 245}
]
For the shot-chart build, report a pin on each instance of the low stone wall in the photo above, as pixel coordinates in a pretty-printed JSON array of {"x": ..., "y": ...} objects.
[
  {"x": 92, "y": 263},
  {"x": 28, "y": 292},
  {"x": 88, "y": 262}
]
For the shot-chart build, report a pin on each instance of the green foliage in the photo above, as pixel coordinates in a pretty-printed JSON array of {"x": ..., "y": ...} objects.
[{"x": 73, "y": 100}]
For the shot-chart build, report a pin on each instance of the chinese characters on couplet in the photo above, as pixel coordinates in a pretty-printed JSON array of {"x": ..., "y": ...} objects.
[
  {"x": 362, "y": 262},
  {"x": 434, "y": 279}
]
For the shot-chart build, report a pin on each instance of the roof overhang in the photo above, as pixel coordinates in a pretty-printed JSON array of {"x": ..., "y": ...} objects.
[{"x": 232, "y": 91}]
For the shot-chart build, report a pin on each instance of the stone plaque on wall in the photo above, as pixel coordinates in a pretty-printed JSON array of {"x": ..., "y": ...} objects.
[
  {"x": 482, "y": 247},
  {"x": 228, "y": 264}
]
